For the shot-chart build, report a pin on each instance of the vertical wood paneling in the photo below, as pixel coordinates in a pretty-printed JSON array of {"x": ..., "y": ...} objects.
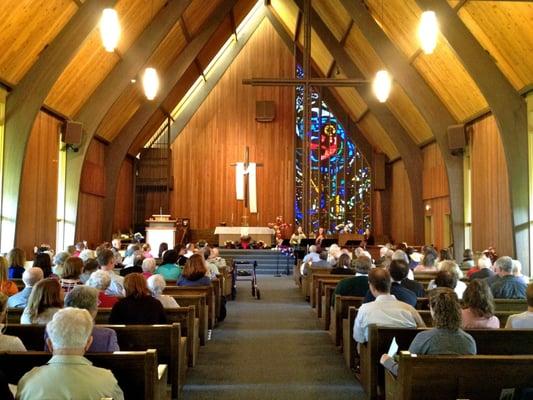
[
  {"x": 38, "y": 196},
  {"x": 92, "y": 193},
  {"x": 401, "y": 206},
  {"x": 216, "y": 136},
  {"x": 435, "y": 194},
  {"x": 491, "y": 207},
  {"x": 124, "y": 200}
]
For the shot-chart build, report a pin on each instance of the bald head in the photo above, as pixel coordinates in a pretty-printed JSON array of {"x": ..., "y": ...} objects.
[{"x": 32, "y": 275}]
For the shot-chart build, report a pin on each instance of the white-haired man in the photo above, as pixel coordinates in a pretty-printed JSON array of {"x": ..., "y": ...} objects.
[
  {"x": 311, "y": 257},
  {"x": 69, "y": 375},
  {"x": 30, "y": 277}
]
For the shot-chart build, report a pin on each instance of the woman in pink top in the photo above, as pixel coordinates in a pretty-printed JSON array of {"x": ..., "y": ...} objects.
[{"x": 478, "y": 303}]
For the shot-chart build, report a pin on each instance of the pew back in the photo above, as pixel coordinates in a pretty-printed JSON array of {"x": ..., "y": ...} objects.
[
  {"x": 468, "y": 379},
  {"x": 137, "y": 372}
]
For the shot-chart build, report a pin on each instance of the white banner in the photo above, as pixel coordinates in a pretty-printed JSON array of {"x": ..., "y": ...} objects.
[{"x": 239, "y": 180}]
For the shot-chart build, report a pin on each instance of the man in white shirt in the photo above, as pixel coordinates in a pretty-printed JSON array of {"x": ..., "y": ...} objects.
[
  {"x": 523, "y": 320},
  {"x": 386, "y": 310},
  {"x": 190, "y": 250},
  {"x": 106, "y": 261}
]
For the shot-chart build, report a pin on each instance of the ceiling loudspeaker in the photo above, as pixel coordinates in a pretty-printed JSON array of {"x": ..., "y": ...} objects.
[
  {"x": 456, "y": 139},
  {"x": 265, "y": 111},
  {"x": 378, "y": 169},
  {"x": 72, "y": 133}
]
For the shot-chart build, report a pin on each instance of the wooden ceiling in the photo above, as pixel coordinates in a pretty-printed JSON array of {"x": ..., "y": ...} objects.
[{"x": 502, "y": 28}]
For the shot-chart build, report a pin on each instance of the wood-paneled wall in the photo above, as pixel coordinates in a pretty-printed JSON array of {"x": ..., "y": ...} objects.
[
  {"x": 401, "y": 222},
  {"x": 435, "y": 194},
  {"x": 38, "y": 192},
  {"x": 123, "y": 217},
  {"x": 216, "y": 136},
  {"x": 92, "y": 193},
  {"x": 491, "y": 207}
]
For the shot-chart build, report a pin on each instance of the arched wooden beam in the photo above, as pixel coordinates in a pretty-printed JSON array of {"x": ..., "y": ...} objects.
[
  {"x": 408, "y": 149},
  {"x": 25, "y": 101},
  {"x": 430, "y": 106},
  {"x": 509, "y": 109},
  {"x": 118, "y": 148},
  {"x": 95, "y": 108}
]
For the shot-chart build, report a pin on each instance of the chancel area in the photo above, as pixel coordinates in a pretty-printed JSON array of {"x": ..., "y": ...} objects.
[{"x": 266, "y": 199}]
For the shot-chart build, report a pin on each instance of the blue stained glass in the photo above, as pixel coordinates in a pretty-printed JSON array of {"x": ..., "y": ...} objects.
[{"x": 340, "y": 185}]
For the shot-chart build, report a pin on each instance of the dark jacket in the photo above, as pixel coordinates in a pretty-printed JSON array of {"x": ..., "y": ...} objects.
[
  {"x": 144, "y": 311},
  {"x": 342, "y": 271},
  {"x": 356, "y": 286},
  {"x": 399, "y": 292},
  {"x": 414, "y": 286}
]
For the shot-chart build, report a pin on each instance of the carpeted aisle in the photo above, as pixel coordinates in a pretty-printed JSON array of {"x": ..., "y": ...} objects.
[{"x": 270, "y": 349}]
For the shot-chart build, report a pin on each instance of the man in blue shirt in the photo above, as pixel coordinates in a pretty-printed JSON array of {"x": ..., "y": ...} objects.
[{"x": 30, "y": 277}]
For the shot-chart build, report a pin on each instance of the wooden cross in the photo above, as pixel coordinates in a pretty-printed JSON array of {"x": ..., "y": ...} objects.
[{"x": 246, "y": 164}]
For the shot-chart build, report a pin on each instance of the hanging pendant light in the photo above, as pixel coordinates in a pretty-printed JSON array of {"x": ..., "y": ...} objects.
[
  {"x": 382, "y": 85},
  {"x": 428, "y": 31},
  {"x": 150, "y": 83},
  {"x": 109, "y": 29}
]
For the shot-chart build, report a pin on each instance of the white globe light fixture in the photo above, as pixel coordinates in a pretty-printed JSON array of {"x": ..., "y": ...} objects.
[
  {"x": 109, "y": 29},
  {"x": 150, "y": 83},
  {"x": 382, "y": 85},
  {"x": 428, "y": 31}
]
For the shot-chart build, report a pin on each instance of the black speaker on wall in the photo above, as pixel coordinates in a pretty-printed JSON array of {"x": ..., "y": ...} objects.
[
  {"x": 378, "y": 168},
  {"x": 456, "y": 139},
  {"x": 72, "y": 133}
]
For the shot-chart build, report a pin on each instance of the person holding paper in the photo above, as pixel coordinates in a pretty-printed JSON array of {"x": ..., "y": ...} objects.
[{"x": 446, "y": 337}]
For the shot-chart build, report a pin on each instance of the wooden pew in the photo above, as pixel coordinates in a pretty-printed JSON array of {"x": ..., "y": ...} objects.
[
  {"x": 320, "y": 293},
  {"x": 349, "y": 345},
  {"x": 210, "y": 296},
  {"x": 315, "y": 277},
  {"x": 472, "y": 377},
  {"x": 307, "y": 280},
  {"x": 137, "y": 372},
  {"x": 516, "y": 305},
  {"x": 488, "y": 342},
  {"x": 342, "y": 305},
  {"x": 425, "y": 277},
  {"x": 185, "y": 316},
  {"x": 199, "y": 301}
]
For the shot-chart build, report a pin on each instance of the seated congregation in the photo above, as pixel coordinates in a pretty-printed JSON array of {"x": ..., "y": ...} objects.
[
  {"x": 431, "y": 306},
  {"x": 95, "y": 320}
]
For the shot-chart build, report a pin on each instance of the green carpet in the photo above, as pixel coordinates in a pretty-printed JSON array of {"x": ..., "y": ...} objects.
[{"x": 270, "y": 349}]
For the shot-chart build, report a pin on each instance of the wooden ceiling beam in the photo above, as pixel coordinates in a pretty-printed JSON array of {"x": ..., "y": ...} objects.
[
  {"x": 109, "y": 90},
  {"x": 509, "y": 109},
  {"x": 119, "y": 147},
  {"x": 430, "y": 106},
  {"x": 407, "y": 148},
  {"x": 188, "y": 39},
  {"x": 329, "y": 97},
  {"x": 25, "y": 101}
]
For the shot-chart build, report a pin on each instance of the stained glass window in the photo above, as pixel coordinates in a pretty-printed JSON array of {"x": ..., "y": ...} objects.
[{"x": 339, "y": 190}]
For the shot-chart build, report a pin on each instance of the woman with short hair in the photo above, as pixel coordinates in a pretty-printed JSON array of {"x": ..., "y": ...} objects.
[
  {"x": 478, "y": 307},
  {"x": 148, "y": 266},
  {"x": 156, "y": 285},
  {"x": 446, "y": 336},
  {"x": 195, "y": 272},
  {"x": 7, "y": 287},
  {"x": 451, "y": 267},
  {"x": 16, "y": 259},
  {"x": 59, "y": 260},
  {"x": 45, "y": 300},
  {"x": 138, "y": 307},
  {"x": 72, "y": 270},
  {"x": 101, "y": 280}
]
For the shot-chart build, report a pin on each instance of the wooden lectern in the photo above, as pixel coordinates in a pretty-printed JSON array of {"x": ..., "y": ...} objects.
[{"x": 160, "y": 229}]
